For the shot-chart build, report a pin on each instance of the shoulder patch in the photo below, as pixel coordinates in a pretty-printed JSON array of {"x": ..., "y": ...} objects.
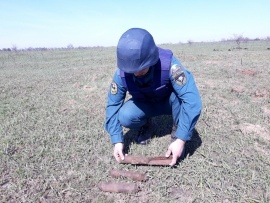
[
  {"x": 178, "y": 74},
  {"x": 114, "y": 88}
]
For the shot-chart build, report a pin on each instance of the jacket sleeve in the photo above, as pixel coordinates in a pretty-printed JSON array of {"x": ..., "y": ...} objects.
[
  {"x": 116, "y": 98},
  {"x": 189, "y": 97}
]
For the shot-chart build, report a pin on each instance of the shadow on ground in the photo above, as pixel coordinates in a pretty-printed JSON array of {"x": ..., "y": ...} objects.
[
  {"x": 193, "y": 144},
  {"x": 163, "y": 127}
]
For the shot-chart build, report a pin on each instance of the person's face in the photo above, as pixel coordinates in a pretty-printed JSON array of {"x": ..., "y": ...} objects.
[{"x": 141, "y": 73}]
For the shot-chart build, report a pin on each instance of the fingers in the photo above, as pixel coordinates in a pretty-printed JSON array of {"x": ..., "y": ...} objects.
[
  {"x": 121, "y": 155},
  {"x": 175, "y": 149},
  {"x": 168, "y": 153},
  {"x": 118, "y": 152},
  {"x": 174, "y": 160},
  {"x": 116, "y": 156}
]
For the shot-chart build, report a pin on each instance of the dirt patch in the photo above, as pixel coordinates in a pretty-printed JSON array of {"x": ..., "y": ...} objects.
[
  {"x": 88, "y": 88},
  {"x": 211, "y": 62},
  {"x": 248, "y": 128},
  {"x": 248, "y": 72},
  {"x": 179, "y": 193},
  {"x": 238, "y": 89},
  {"x": 68, "y": 105},
  {"x": 77, "y": 85},
  {"x": 266, "y": 110},
  {"x": 210, "y": 83},
  {"x": 261, "y": 93},
  {"x": 259, "y": 148}
]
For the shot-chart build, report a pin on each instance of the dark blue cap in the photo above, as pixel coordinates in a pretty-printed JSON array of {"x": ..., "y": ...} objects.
[{"x": 136, "y": 50}]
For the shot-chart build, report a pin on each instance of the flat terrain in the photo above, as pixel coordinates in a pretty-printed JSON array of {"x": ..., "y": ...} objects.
[{"x": 53, "y": 147}]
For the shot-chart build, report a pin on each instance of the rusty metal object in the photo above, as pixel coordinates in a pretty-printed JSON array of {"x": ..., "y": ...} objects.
[
  {"x": 160, "y": 161},
  {"x": 118, "y": 187},
  {"x": 142, "y": 160},
  {"x": 137, "y": 176}
]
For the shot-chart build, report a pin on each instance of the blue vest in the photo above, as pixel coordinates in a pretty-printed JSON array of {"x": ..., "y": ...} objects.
[{"x": 161, "y": 86}]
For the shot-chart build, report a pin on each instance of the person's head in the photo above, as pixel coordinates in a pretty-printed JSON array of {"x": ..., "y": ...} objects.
[{"x": 136, "y": 51}]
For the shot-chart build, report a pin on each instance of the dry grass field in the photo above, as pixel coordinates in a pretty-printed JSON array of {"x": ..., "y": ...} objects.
[{"x": 53, "y": 147}]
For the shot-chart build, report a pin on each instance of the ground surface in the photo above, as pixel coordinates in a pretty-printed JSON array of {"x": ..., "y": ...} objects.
[{"x": 53, "y": 147}]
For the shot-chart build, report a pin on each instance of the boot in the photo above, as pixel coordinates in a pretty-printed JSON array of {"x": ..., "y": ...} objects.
[{"x": 145, "y": 133}]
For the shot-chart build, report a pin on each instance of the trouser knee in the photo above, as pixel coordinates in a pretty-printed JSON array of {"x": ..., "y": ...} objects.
[{"x": 125, "y": 118}]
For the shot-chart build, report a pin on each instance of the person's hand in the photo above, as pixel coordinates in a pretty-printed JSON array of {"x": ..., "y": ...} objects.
[
  {"x": 176, "y": 149},
  {"x": 118, "y": 152}
]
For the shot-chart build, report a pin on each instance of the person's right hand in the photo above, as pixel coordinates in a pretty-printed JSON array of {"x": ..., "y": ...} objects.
[{"x": 118, "y": 151}]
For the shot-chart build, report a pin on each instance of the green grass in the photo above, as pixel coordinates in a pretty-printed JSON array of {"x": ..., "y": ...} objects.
[{"x": 53, "y": 147}]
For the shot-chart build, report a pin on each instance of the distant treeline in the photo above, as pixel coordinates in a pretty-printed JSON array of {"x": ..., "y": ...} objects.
[
  {"x": 45, "y": 48},
  {"x": 240, "y": 38},
  {"x": 236, "y": 38}
]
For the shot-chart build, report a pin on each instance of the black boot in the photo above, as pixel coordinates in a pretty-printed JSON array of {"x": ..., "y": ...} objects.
[{"x": 145, "y": 133}]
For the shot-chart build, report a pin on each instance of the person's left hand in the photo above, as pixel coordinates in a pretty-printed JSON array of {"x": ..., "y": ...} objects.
[{"x": 175, "y": 148}]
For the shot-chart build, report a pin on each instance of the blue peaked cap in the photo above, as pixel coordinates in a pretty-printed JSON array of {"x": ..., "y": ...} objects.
[{"x": 136, "y": 50}]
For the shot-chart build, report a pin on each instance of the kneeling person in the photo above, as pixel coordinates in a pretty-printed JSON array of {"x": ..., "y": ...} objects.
[{"x": 159, "y": 85}]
